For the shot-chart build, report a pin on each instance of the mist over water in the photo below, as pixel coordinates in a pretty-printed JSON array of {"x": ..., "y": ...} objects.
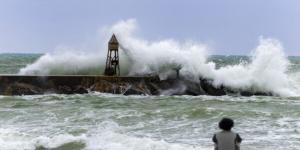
[{"x": 266, "y": 71}]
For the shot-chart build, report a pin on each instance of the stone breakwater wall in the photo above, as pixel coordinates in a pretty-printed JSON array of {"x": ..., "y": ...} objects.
[
  {"x": 80, "y": 84},
  {"x": 69, "y": 84}
]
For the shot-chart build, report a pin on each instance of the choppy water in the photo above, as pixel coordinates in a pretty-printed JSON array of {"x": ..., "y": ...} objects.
[{"x": 98, "y": 121}]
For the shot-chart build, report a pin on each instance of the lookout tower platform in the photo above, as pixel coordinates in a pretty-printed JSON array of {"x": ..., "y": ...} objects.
[{"x": 112, "y": 67}]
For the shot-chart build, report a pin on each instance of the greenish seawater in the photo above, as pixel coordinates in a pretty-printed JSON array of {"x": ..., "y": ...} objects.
[
  {"x": 99, "y": 121},
  {"x": 12, "y": 63}
]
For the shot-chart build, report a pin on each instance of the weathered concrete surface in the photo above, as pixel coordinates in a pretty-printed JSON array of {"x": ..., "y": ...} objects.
[{"x": 30, "y": 85}]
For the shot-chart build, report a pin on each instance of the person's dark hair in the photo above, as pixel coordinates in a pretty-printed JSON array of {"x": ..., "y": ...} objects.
[{"x": 226, "y": 124}]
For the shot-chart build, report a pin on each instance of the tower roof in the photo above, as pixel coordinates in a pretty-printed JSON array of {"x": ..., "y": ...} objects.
[{"x": 113, "y": 40}]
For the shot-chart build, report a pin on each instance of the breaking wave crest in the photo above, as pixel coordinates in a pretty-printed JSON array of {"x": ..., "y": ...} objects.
[
  {"x": 64, "y": 62},
  {"x": 102, "y": 138},
  {"x": 267, "y": 70}
]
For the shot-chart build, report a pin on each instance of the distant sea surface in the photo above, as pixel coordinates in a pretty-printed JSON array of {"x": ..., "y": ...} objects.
[{"x": 101, "y": 121}]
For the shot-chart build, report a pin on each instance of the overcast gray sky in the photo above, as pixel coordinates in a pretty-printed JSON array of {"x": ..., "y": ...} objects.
[{"x": 228, "y": 26}]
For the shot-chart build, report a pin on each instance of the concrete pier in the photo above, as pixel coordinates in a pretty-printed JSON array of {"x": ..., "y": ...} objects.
[
  {"x": 69, "y": 84},
  {"x": 80, "y": 84}
]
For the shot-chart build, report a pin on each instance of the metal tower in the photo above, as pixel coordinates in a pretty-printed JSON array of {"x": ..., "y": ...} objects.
[{"x": 112, "y": 67}]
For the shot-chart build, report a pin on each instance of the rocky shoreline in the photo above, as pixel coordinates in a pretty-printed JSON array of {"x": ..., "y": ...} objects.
[{"x": 32, "y": 85}]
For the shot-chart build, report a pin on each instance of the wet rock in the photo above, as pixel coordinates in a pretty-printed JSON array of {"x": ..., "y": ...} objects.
[
  {"x": 137, "y": 89},
  {"x": 153, "y": 88},
  {"x": 209, "y": 89},
  {"x": 249, "y": 93},
  {"x": 133, "y": 91},
  {"x": 63, "y": 89},
  {"x": 80, "y": 90},
  {"x": 22, "y": 89},
  {"x": 102, "y": 86},
  {"x": 193, "y": 88},
  {"x": 30, "y": 85}
]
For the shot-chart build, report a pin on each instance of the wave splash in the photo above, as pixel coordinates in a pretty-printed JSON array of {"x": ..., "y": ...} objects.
[
  {"x": 267, "y": 70},
  {"x": 64, "y": 62}
]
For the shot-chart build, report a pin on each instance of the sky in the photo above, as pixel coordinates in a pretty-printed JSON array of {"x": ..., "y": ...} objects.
[{"x": 227, "y": 26}]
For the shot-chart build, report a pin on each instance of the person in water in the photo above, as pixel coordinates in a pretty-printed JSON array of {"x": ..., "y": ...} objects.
[{"x": 226, "y": 139}]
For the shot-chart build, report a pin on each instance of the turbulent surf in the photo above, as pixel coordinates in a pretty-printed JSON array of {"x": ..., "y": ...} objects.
[
  {"x": 106, "y": 121},
  {"x": 102, "y": 121}
]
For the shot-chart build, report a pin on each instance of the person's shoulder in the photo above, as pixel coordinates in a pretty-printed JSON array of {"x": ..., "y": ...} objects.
[
  {"x": 234, "y": 132},
  {"x": 218, "y": 132},
  {"x": 238, "y": 137}
]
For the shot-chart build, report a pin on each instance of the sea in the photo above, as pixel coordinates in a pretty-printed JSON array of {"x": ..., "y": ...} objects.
[{"x": 103, "y": 121}]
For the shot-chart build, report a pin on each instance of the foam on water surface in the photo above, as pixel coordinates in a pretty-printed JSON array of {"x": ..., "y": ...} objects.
[{"x": 99, "y": 121}]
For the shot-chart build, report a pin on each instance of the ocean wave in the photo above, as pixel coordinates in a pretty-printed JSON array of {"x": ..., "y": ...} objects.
[
  {"x": 98, "y": 140},
  {"x": 265, "y": 72}
]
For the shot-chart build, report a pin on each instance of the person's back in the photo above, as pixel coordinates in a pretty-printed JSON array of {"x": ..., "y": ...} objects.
[{"x": 226, "y": 139}]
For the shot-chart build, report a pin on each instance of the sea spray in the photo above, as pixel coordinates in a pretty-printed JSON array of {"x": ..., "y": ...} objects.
[
  {"x": 63, "y": 62},
  {"x": 161, "y": 56},
  {"x": 73, "y": 62},
  {"x": 143, "y": 57},
  {"x": 266, "y": 71}
]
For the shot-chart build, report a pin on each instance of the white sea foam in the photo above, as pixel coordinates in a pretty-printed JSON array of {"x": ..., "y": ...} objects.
[
  {"x": 266, "y": 72},
  {"x": 102, "y": 138},
  {"x": 64, "y": 61},
  {"x": 15, "y": 140},
  {"x": 114, "y": 141},
  {"x": 161, "y": 56}
]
